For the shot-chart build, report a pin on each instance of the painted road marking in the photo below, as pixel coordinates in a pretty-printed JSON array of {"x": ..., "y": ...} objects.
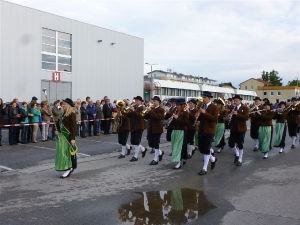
[{"x": 6, "y": 168}]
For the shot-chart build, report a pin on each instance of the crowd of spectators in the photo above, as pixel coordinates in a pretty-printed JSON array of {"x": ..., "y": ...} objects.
[{"x": 93, "y": 118}]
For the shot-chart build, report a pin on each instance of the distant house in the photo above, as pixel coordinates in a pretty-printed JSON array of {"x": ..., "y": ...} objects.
[{"x": 252, "y": 84}]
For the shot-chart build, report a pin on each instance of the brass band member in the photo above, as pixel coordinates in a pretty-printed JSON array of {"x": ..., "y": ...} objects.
[
  {"x": 254, "y": 127},
  {"x": 155, "y": 128},
  {"x": 191, "y": 127},
  {"x": 220, "y": 130},
  {"x": 207, "y": 128},
  {"x": 137, "y": 127},
  {"x": 265, "y": 129},
  {"x": 179, "y": 133},
  {"x": 293, "y": 120},
  {"x": 172, "y": 110},
  {"x": 229, "y": 108},
  {"x": 123, "y": 127},
  {"x": 239, "y": 115},
  {"x": 280, "y": 127}
]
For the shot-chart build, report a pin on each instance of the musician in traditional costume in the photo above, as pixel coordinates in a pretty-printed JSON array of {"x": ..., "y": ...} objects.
[
  {"x": 191, "y": 148},
  {"x": 208, "y": 119},
  {"x": 293, "y": 120},
  {"x": 280, "y": 127},
  {"x": 66, "y": 149},
  {"x": 137, "y": 127},
  {"x": 155, "y": 128},
  {"x": 238, "y": 127},
  {"x": 254, "y": 124},
  {"x": 265, "y": 129},
  {"x": 179, "y": 134},
  {"x": 220, "y": 129},
  {"x": 172, "y": 110},
  {"x": 123, "y": 126}
]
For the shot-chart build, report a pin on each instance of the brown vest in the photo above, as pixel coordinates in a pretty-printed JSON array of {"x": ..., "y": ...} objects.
[
  {"x": 155, "y": 117},
  {"x": 242, "y": 117}
]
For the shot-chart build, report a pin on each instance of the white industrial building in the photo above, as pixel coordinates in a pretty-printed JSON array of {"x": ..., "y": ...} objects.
[
  {"x": 90, "y": 60},
  {"x": 167, "y": 83}
]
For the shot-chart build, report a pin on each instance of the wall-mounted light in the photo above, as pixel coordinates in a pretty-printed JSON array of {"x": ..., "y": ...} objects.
[
  {"x": 99, "y": 41},
  {"x": 113, "y": 43}
]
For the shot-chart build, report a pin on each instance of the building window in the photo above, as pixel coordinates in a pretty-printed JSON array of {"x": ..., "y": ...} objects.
[
  {"x": 164, "y": 91},
  {"x": 272, "y": 93},
  {"x": 265, "y": 93},
  {"x": 56, "y": 51},
  {"x": 278, "y": 93},
  {"x": 251, "y": 88}
]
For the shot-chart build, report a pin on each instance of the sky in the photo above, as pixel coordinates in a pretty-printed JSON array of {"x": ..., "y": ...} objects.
[{"x": 228, "y": 41}]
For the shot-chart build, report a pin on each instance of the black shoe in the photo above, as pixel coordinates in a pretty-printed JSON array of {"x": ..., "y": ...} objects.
[
  {"x": 153, "y": 162},
  {"x": 189, "y": 156},
  {"x": 144, "y": 153},
  {"x": 62, "y": 177},
  {"x": 152, "y": 151},
  {"x": 213, "y": 164},
  {"x": 184, "y": 162},
  {"x": 255, "y": 149},
  {"x": 161, "y": 156},
  {"x": 170, "y": 154},
  {"x": 238, "y": 163},
  {"x": 128, "y": 150},
  {"x": 121, "y": 156},
  {"x": 293, "y": 146},
  {"x": 133, "y": 159},
  {"x": 236, "y": 159},
  {"x": 176, "y": 168},
  {"x": 213, "y": 153},
  {"x": 202, "y": 172}
]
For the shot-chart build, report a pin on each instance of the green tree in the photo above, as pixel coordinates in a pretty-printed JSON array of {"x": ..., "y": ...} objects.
[
  {"x": 293, "y": 83},
  {"x": 272, "y": 77}
]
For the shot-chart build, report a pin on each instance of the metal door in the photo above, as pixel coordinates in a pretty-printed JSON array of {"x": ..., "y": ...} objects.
[{"x": 57, "y": 90}]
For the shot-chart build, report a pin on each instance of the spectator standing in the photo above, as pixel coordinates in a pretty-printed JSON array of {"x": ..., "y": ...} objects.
[
  {"x": 56, "y": 115},
  {"x": 107, "y": 116},
  {"x": 98, "y": 117},
  {"x": 77, "y": 106},
  {"x": 92, "y": 116},
  {"x": 25, "y": 122},
  {"x": 35, "y": 120},
  {"x": 102, "y": 122},
  {"x": 84, "y": 116},
  {"x": 46, "y": 117},
  {"x": 30, "y": 128},
  {"x": 13, "y": 116},
  {"x": 2, "y": 113},
  {"x": 17, "y": 128}
]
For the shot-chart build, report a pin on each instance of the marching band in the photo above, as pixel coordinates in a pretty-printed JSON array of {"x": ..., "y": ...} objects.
[{"x": 200, "y": 122}]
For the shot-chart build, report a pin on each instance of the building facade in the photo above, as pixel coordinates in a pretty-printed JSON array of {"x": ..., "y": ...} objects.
[
  {"x": 252, "y": 84},
  {"x": 87, "y": 60},
  {"x": 278, "y": 93},
  {"x": 167, "y": 84}
]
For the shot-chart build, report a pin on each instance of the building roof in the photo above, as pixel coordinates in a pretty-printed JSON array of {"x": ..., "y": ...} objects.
[
  {"x": 260, "y": 80},
  {"x": 229, "y": 84}
]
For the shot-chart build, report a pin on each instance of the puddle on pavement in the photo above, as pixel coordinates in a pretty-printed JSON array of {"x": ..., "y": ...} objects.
[{"x": 177, "y": 206}]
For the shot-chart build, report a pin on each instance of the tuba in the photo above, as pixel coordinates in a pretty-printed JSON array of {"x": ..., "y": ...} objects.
[
  {"x": 118, "y": 118},
  {"x": 199, "y": 102}
]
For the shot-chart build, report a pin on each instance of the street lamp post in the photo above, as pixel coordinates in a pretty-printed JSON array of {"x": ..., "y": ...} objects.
[
  {"x": 297, "y": 87},
  {"x": 151, "y": 79}
]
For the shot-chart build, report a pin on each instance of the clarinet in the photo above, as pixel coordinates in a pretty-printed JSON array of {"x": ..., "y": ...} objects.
[
  {"x": 230, "y": 115},
  {"x": 198, "y": 114},
  {"x": 171, "y": 118}
]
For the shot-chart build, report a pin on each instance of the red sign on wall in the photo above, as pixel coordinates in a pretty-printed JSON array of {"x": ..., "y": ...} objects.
[{"x": 56, "y": 76}]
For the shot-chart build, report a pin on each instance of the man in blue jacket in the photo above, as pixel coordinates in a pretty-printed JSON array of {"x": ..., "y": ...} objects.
[{"x": 92, "y": 116}]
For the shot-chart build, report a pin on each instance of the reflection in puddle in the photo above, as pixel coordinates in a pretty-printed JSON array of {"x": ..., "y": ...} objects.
[{"x": 177, "y": 206}]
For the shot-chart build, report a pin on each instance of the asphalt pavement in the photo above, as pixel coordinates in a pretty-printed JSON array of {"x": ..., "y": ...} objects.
[{"x": 107, "y": 190}]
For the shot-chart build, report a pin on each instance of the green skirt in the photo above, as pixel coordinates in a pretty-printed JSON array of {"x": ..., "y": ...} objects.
[
  {"x": 62, "y": 154},
  {"x": 264, "y": 137},
  {"x": 219, "y": 133},
  {"x": 279, "y": 129},
  {"x": 177, "y": 140},
  {"x": 196, "y": 138}
]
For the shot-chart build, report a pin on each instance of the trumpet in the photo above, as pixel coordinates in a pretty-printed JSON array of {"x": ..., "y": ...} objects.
[
  {"x": 254, "y": 107},
  {"x": 291, "y": 107},
  {"x": 145, "y": 111}
]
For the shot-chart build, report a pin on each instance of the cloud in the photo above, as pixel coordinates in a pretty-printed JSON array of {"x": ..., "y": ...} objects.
[{"x": 229, "y": 41}]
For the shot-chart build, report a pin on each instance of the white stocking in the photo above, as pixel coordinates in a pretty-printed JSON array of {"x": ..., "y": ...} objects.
[
  {"x": 241, "y": 155},
  {"x": 123, "y": 149},
  {"x": 136, "y": 151},
  {"x": 156, "y": 154},
  {"x": 206, "y": 160}
]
